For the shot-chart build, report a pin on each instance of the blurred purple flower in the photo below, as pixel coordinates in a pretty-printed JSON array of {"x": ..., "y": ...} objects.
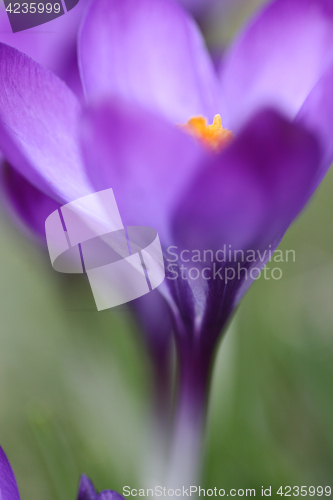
[
  {"x": 9, "y": 489},
  {"x": 145, "y": 70}
]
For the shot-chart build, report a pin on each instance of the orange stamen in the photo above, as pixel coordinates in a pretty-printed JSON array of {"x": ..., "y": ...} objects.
[{"x": 214, "y": 136}]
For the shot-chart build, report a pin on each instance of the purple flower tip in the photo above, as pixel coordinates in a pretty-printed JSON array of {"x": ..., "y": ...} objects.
[
  {"x": 8, "y": 485},
  {"x": 87, "y": 491}
]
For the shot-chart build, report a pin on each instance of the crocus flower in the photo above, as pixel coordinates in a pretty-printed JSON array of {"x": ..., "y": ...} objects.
[
  {"x": 9, "y": 489},
  {"x": 150, "y": 85}
]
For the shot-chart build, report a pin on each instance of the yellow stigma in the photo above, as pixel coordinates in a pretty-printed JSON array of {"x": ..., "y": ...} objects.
[{"x": 214, "y": 136}]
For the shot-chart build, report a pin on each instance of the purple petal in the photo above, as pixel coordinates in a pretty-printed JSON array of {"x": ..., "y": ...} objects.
[
  {"x": 317, "y": 114},
  {"x": 278, "y": 59},
  {"x": 8, "y": 486},
  {"x": 53, "y": 48},
  {"x": 30, "y": 204},
  {"x": 146, "y": 160},
  {"x": 150, "y": 52},
  {"x": 109, "y": 495},
  {"x": 86, "y": 489},
  {"x": 250, "y": 193},
  {"x": 39, "y": 118}
]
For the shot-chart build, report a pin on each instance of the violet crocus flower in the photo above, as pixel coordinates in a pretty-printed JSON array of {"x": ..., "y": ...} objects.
[
  {"x": 9, "y": 489},
  {"x": 145, "y": 73}
]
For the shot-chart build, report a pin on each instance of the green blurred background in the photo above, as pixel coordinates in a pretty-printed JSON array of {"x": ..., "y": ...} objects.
[{"x": 75, "y": 384}]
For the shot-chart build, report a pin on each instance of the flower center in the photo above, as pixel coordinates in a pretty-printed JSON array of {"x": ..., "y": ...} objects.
[{"x": 213, "y": 137}]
